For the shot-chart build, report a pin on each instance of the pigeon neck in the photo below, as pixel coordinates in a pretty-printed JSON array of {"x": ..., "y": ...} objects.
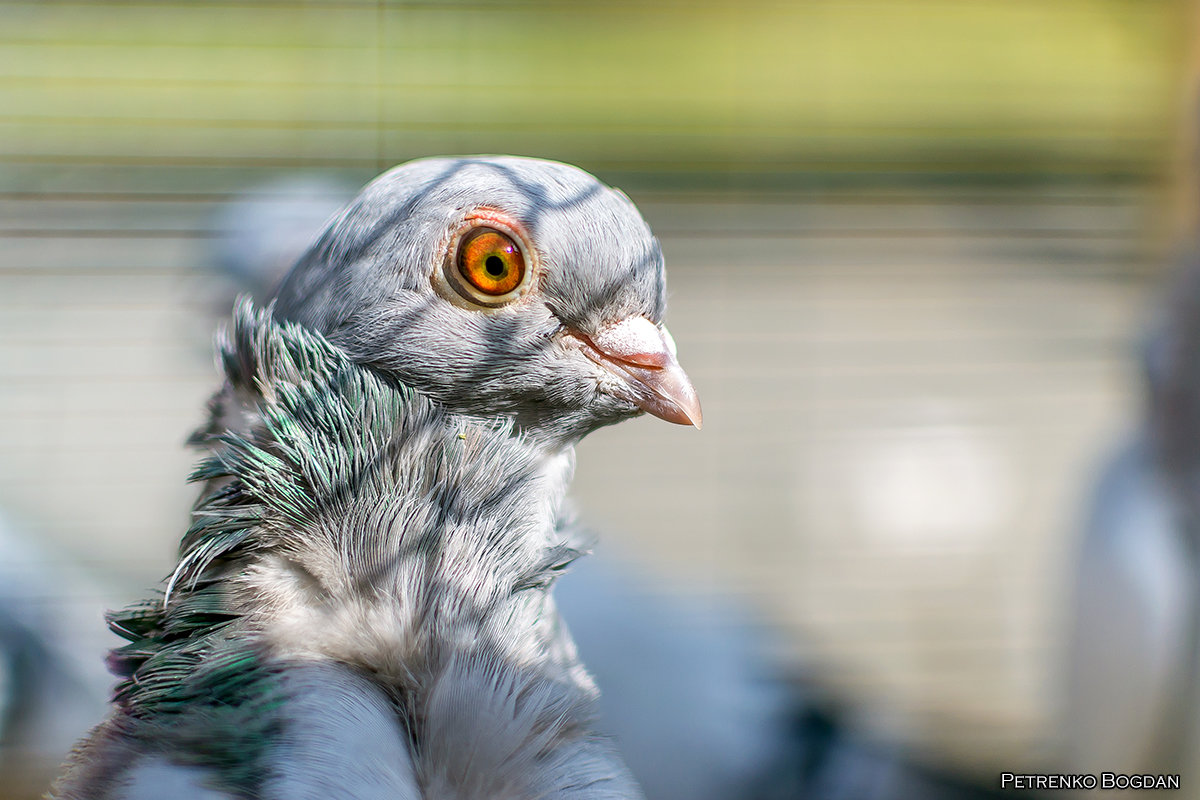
[{"x": 375, "y": 529}]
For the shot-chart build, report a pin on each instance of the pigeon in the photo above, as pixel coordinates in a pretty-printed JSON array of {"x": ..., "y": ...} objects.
[
  {"x": 52, "y": 680},
  {"x": 1129, "y": 682},
  {"x": 363, "y": 603}
]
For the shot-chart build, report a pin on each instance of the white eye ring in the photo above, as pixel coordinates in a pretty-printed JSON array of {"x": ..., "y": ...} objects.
[{"x": 461, "y": 291}]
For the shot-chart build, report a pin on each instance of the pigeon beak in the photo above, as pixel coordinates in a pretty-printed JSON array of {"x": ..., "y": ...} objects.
[{"x": 643, "y": 355}]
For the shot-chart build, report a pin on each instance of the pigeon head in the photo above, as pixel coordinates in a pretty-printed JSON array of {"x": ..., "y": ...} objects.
[{"x": 499, "y": 287}]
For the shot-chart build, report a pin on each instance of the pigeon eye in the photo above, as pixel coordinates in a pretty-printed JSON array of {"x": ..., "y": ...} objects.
[{"x": 491, "y": 262}]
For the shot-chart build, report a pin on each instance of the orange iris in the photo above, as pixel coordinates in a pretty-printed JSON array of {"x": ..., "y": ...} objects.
[{"x": 491, "y": 261}]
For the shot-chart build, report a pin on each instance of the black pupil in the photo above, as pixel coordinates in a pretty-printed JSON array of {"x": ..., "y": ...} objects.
[{"x": 494, "y": 266}]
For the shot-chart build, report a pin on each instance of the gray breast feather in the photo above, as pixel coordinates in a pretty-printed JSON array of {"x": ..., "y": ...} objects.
[
  {"x": 341, "y": 738},
  {"x": 492, "y": 729}
]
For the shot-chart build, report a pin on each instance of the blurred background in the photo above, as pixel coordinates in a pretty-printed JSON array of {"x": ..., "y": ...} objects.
[{"x": 917, "y": 254}]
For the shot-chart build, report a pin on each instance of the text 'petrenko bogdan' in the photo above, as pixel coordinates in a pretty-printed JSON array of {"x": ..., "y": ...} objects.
[{"x": 1102, "y": 781}]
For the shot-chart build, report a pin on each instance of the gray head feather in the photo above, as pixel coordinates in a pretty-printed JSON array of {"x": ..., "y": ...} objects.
[{"x": 370, "y": 286}]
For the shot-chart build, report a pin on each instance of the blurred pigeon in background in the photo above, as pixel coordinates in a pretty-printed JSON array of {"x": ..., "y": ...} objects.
[
  {"x": 52, "y": 680},
  {"x": 362, "y": 606},
  {"x": 262, "y": 233},
  {"x": 690, "y": 685},
  {"x": 1130, "y": 676}
]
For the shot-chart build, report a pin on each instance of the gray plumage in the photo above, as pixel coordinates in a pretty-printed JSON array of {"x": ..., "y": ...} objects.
[{"x": 362, "y": 606}]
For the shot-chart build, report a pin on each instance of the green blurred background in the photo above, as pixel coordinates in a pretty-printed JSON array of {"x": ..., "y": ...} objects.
[
  {"x": 755, "y": 93},
  {"x": 910, "y": 245}
]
